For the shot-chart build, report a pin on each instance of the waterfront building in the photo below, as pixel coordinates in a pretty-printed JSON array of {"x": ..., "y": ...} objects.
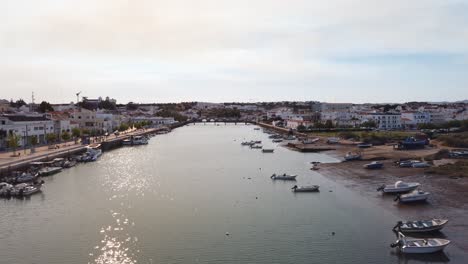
[
  {"x": 4, "y": 105},
  {"x": 25, "y": 127},
  {"x": 86, "y": 119}
]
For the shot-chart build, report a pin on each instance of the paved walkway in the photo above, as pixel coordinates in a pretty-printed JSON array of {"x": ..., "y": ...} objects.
[{"x": 23, "y": 155}]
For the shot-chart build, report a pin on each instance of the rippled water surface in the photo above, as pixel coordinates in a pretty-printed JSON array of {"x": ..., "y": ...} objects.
[{"x": 197, "y": 196}]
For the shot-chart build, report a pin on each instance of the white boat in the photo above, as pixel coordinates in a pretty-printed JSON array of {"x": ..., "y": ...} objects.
[
  {"x": 268, "y": 150},
  {"x": 5, "y": 189},
  {"x": 419, "y": 245},
  {"x": 313, "y": 188},
  {"x": 69, "y": 163},
  {"x": 284, "y": 177},
  {"x": 139, "y": 140},
  {"x": 420, "y": 165},
  {"x": 310, "y": 141},
  {"x": 127, "y": 142},
  {"x": 352, "y": 156},
  {"x": 333, "y": 140},
  {"x": 93, "y": 152},
  {"x": 31, "y": 189},
  {"x": 420, "y": 226},
  {"x": 414, "y": 196},
  {"x": 399, "y": 187},
  {"x": 47, "y": 171},
  {"x": 26, "y": 177}
]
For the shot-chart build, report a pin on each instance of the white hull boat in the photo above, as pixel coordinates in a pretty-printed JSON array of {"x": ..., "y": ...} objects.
[
  {"x": 414, "y": 196},
  {"x": 399, "y": 187},
  {"x": 284, "y": 177},
  {"x": 313, "y": 188},
  {"x": 420, "y": 226},
  {"x": 420, "y": 245},
  {"x": 352, "y": 156}
]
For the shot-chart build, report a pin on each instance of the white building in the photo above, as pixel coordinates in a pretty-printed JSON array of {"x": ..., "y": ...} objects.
[
  {"x": 411, "y": 119},
  {"x": 386, "y": 121},
  {"x": 156, "y": 121},
  {"x": 25, "y": 127}
]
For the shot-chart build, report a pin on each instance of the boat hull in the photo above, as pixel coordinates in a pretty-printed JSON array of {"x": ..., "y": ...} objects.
[{"x": 422, "y": 250}]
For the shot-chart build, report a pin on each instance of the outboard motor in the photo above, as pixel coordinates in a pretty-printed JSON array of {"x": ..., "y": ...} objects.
[
  {"x": 399, "y": 223},
  {"x": 272, "y": 176},
  {"x": 381, "y": 188},
  {"x": 294, "y": 187},
  {"x": 396, "y": 244},
  {"x": 397, "y": 198}
]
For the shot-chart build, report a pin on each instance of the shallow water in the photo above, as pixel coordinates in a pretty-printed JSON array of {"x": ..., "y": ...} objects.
[{"x": 197, "y": 196}]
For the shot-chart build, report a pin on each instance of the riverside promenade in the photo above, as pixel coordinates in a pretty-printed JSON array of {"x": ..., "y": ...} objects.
[{"x": 10, "y": 162}]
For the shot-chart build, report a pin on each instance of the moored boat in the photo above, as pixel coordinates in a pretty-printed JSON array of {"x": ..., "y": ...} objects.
[
  {"x": 420, "y": 226},
  {"x": 310, "y": 141},
  {"x": 47, "y": 171},
  {"x": 352, "y": 156},
  {"x": 374, "y": 165},
  {"x": 26, "y": 177},
  {"x": 364, "y": 145},
  {"x": 414, "y": 196},
  {"x": 256, "y": 146},
  {"x": 277, "y": 140},
  {"x": 268, "y": 150},
  {"x": 312, "y": 188},
  {"x": 284, "y": 177},
  {"x": 399, "y": 187},
  {"x": 419, "y": 245}
]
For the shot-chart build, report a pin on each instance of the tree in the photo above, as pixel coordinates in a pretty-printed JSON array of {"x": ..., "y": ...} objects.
[
  {"x": 123, "y": 127},
  {"x": 13, "y": 142},
  {"x": 370, "y": 123},
  {"x": 51, "y": 137},
  {"x": 132, "y": 106},
  {"x": 45, "y": 107},
  {"x": 18, "y": 103},
  {"x": 328, "y": 124},
  {"x": 76, "y": 133},
  {"x": 33, "y": 141},
  {"x": 66, "y": 136},
  {"x": 301, "y": 128}
]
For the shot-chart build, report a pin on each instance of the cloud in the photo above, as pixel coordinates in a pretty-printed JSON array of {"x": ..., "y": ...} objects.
[{"x": 175, "y": 49}]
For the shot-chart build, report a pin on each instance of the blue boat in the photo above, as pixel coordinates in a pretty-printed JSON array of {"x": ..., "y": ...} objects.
[{"x": 413, "y": 143}]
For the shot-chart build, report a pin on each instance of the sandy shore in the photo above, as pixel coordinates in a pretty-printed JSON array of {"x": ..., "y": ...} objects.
[{"x": 448, "y": 198}]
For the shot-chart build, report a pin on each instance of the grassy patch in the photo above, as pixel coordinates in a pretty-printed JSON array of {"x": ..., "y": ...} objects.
[
  {"x": 458, "y": 140},
  {"x": 458, "y": 169}
]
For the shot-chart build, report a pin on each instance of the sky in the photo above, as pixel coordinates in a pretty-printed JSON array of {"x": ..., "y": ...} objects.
[{"x": 244, "y": 50}]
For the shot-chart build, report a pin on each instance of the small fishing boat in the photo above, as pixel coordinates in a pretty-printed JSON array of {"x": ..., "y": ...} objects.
[
  {"x": 257, "y": 128},
  {"x": 414, "y": 196},
  {"x": 419, "y": 245},
  {"x": 364, "y": 145},
  {"x": 139, "y": 140},
  {"x": 257, "y": 142},
  {"x": 310, "y": 141},
  {"x": 352, "y": 156},
  {"x": 26, "y": 177},
  {"x": 420, "y": 226},
  {"x": 399, "y": 187},
  {"x": 268, "y": 150},
  {"x": 407, "y": 163},
  {"x": 277, "y": 140},
  {"x": 284, "y": 177},
  {"x": 47, "y": 171},
  {"x": 333, "y": 140},
  {"x": 127, "y": 142},
  {"x": 420, "y": 165},
  {"x": 374, "y": 165},
  {"x": 312, "y": 188},
  {"x": 70, "y": 163},
  {"x": 256, "y": 146},
  {"x": 315, "y": 167},
  {"x": 31, "y": 189}
]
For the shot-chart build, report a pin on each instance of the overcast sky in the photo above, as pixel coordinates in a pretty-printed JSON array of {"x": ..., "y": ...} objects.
[{"x": 237, "y": 50}]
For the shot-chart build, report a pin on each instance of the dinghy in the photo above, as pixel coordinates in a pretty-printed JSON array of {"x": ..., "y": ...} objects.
[
  {"x": 414, "y": 196},
  {"x": 420, "y": 226},
  {"x": 419, "y": 245},
  {"x": 313, "y": 188},
  {"x": 284, "y": 177},
  {"x": 399, "y": 187}
]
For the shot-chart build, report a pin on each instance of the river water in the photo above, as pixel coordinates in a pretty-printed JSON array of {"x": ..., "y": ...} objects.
[{"x": 197, "y": 196}]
